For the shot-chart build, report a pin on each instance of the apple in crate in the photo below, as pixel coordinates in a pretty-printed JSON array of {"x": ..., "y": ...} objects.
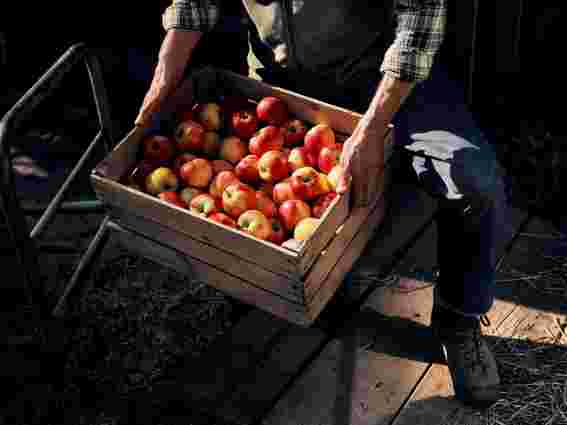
[
  {"x": 140, "y": 172},
  {"x": 292, "y": 212},
  {"x": 237, "y": 198},
  {"x": 222, "y": 218},
  {"x": 306, "y": 183},
  {"x": 294, "y": 131},
  {"x": 266, "y": 139},
  {"x": 272, "y": 110},
  {"x": 279, "y": 234},
  {"x": 158, "y": 148},
  {"x": 273, "y": 166},
  {"x": 305, "y": 228},
  {"x": 267, "y": 188},
  {"x": 197, "y": 173},
  {"x": 233, "y": 149},
  {"x": 203, "y": 205},
  {"x": 255, "y": 223},
  {"x": 324, "y": 184},
  {"x": 318, "y": 137},
  {"x": 221, "y": 181},
  {"x": 299, "y": 157},
  {"x": 210, "y": 115},
  {"x": 247, "y": 169},
  {"x": 172, "y": 198},
  {"x": 321, "y": 204},
  {"x": 162, "y": 179},
  {"x": 181, "y": 159},
  {"x": 211, "y": 144},
  {"x": 221, "y": 165},
  {"x": 189, "y": 136},
  {"x": 265, "y": 204},
  {"x": 283, "y": 192},
  {"x": 244, "y": 123},
  {"x": 329, "y": 156},
  {"x": 334, "y": 176},
  {"x": 188, "y": 193}
]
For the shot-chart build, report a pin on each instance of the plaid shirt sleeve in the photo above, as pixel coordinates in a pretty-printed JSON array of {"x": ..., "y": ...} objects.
[
  {"x": 420, "y": 28},
  {"x": 191, "y": 15}
]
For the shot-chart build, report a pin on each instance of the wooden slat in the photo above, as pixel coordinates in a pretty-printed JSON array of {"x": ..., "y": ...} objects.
[
  {"x": 181, "y": 220},
  {"x": 285, "y": 287},
  {"x": 240, "y": 289},
  {"x": 350, "y": 254}
]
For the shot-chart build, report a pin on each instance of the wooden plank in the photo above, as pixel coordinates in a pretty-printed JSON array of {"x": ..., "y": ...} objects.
[
  {"x": 284, "y": 286},
  {"x": 240, "y": 289},
  {"x": 181, "y": 220},
  {"x": 362, "y": 376}
]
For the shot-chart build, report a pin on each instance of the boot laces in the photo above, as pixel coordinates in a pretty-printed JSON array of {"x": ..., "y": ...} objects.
[{"x": 473, "y": 354}]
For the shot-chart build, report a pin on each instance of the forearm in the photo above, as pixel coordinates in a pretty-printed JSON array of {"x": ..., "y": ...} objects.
[
  {"x": 179, "y": 44},
  {"x": 390, "y": 95}
]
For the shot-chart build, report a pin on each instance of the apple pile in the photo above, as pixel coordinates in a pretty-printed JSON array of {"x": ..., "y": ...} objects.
[{"x": 250, "y": 166}]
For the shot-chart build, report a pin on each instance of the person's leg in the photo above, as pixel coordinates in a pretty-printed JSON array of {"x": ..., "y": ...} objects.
[{"x": 454, "y": 162}]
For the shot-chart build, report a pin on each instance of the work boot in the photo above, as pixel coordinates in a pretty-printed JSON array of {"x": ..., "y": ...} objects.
[{"x": 474, "y": 371}]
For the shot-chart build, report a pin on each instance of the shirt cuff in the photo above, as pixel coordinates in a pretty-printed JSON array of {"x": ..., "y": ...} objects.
[
  {"x": 411, "y": 65},
  {"x": 184, "y": 17}
]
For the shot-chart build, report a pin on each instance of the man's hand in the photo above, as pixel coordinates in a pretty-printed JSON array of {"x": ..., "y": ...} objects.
[
  {"x": 361, "y": 158},
  {"x": 363, "y": 151},
  {"x": 174, "y": 54}
]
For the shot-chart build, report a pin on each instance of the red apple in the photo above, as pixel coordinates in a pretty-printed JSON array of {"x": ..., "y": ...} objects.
[
  {"x": 273, "y": 166},
  {"x": 185, "y": 115},
  {"x": 298, "y": 158},
  {"x": 322, "y": 202},
  {"x": 318, "y": 137},
  {"x": 283, "y": 192},
  {"x": 233, "y": 149},
  {"x": 255, "y": 223},
  {"x": 266, "y": 139},
  {"x": 197, "y": 172},
  {"x": 221, "y": 181},
  {"x": 237, "y": 198},
  {"x": 292, "y": 212},
  {"x": 279, "y": 234},
  {"x": 244, "y": 123},
  {"x": 247, "y": 169},
  {"x": 222, "y": 218},
  {"x": 334, "y": 176},
  {"x": 211, "y": 144},
  {"x": 329, "y": 156},
  {"x": 172, "y": 198},
  {"x": 189, "y": 136},
  {"x": 265, "y": 204},
  {"x": 180, "y": 160},
  {"x": 210, "y": 115},
  {"x": 272, "y": 110},
  {"x": 188, "y": 193},
  {"x": 140, "y": 172},
  {"x": 203, "y": 204},
  {"x": 294, "y": 131},
  {"x": 305, "y": 183},
  {"x": 158, "y": 148},
  {"x": 162, "y": 179},
  {"x": 221, "y": 165},
  {"x": 305, "y": 228}
]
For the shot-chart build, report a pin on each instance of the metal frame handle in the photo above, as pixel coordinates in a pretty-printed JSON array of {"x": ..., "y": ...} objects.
[{"x": 24, "y": 246}]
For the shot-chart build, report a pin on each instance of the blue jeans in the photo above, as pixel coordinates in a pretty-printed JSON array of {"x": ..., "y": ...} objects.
[{"x": 435, "y": 123}]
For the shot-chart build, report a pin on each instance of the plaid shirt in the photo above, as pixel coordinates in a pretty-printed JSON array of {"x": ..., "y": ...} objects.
[{"x": 420, "y": 28}]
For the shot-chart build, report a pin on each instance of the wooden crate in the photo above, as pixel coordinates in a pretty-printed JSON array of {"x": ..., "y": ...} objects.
[{"x": 294, "y": 284}]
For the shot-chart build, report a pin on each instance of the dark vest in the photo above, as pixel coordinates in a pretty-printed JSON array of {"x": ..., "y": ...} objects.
[{"x": 331, "y": 44}]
